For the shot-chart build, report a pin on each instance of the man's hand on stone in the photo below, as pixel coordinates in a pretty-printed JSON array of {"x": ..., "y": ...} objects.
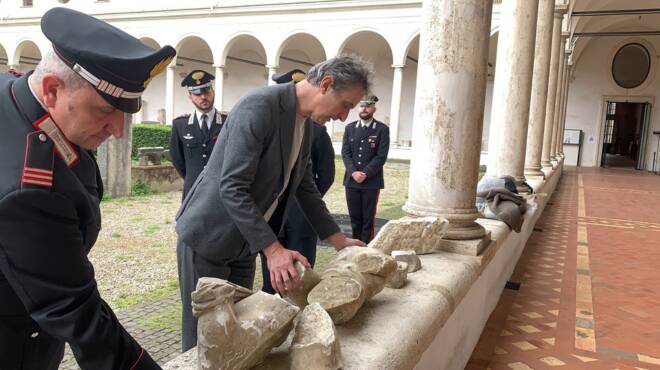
[
  {"x": 359, "y": 176},
  {"x": 283, "y": 275},
  {"x": 340, "y": 241}
]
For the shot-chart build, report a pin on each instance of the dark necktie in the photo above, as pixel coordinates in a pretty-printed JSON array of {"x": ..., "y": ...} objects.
[{"x": 205, "y": 127}]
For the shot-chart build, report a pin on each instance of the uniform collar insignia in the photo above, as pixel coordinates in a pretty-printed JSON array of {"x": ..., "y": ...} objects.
[
  {"x": 63, "y": 147},
  {"x": 191, "y": 118}
]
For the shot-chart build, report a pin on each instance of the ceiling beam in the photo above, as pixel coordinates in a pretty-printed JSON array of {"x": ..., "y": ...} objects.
[
  {"x": 600, "y": 13},
  {"x": 624, "y": 33}
]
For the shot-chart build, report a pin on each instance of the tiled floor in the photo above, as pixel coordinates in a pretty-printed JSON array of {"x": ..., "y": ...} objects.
[{"x": 586, "y": 291}]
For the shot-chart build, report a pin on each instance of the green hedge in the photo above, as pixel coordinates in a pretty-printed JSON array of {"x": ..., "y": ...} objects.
[{"x": 146, "y": 135}]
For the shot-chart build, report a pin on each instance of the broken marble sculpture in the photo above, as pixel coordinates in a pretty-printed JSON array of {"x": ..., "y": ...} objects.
[
  {"x": 315, "y": 345},
  {"x": 237, "y": 335},
  {"x": 420, "y": 234},
  {"x": 352, "y": 277}
]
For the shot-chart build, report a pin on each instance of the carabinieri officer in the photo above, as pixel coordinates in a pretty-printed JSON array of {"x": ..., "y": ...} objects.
[
  {"x": 364, "y": 151},
  {"x": 50, "y": 189},
  {"x": 194, "y": 135}
]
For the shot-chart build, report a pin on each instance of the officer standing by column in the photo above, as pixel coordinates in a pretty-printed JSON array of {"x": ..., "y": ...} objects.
[
  {"x": 297, "y": 233},
  {"x": 50, "y": 189},
  {"x": 191, "y": 144},
  {"x": 194, "y": 135},
  {"x": 364, "y": 152}
]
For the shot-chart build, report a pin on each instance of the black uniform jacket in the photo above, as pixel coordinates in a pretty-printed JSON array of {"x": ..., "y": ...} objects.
[
  {"x": 323, "y": 159},
  {"x": 189, "y": 149},
  {"x": 49, "y": 220},
  {"x": 365, "y": 150}
]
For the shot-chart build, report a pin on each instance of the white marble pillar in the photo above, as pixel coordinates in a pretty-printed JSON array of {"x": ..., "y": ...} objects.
[
  {"x": 169, "y": 94},
  {"x": 114, "y": 160},
  {"x": 395, "y": 111},
  {"x": 271, "y": 71},
  {"x": 448, "y": 120},
  {"x": 512, "y": 90},
  {"x": 552, "y": 87},
  {"x": 558, "y": 97},
  {"x": 537, "y": 105},
  {"x": 567, "y": 81},
  {"x": 219, "y": 87}
]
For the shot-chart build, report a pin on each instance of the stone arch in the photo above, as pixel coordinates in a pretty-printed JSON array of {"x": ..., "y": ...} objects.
[
  {"x": 375, "y": 48},
  {"x": 244, "y": 59},
  {"x": 4, "y": 61},
  {"x": 192, "y": 52},
  {"x": 299, "y": 50},
  {"x": 26, "y": 55},
  {"x": 153, "y": 98}
]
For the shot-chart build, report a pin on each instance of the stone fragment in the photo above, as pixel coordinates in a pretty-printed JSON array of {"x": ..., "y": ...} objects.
[
  {"x": 315, "y": 344},
  {"x": 353, "y": 276},
  {"x": 409, "y": 257},
  {"x": 400, "y": 277},
  {"x": 420, "y": 234},
  {"x": 310, "y": 278},
  {"x": 237, "y": 335}
]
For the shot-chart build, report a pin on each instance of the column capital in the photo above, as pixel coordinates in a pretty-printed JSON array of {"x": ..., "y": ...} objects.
[
  {"x": 560, "y": 10},
  {"x": 218, "y": 66},
  {"x": 398, "y": 66},
  {"x": 272, "y": 66}
]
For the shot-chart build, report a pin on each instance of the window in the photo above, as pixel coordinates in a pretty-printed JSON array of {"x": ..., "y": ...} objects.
[
  {"x": 27, "y": 3},
  {"x": 631, "y": 66},
  {"x": 609, "y": 122}
]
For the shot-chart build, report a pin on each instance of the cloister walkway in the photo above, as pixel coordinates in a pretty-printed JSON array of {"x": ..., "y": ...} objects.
[{"x": 586, "y": 291}]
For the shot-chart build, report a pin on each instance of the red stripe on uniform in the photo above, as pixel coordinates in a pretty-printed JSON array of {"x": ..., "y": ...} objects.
[
  {"x": 373, "y": 217},
  {"x": 139, "y": 358}
]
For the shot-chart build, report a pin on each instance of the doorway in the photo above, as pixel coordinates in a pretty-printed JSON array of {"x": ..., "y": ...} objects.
[{"x": 625, "y": 135}]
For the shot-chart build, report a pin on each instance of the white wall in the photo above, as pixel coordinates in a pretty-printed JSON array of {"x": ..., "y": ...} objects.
[{"x": 591, "y": 82}]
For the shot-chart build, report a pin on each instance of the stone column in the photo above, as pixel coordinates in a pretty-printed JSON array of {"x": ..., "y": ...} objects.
[
  {"x": 567, "y": 80},
  {"x": 511, "y": 90},
  {"x": 114, "y": 160},
  {"x": 558, "y": 97},
  {"x": 537, "y": 105},
  {"x": 395, "y": 111},
  {"x": 448, "y": 120},
  {"x": 552, "y": 87},
  {"x": 219, "y": 86},
  {"x": 271, "y": 71},
  {"x": 169, "y": 94}
]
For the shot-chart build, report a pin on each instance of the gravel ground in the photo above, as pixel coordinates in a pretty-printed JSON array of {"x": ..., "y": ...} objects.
[{"x": 135, "y": 255}]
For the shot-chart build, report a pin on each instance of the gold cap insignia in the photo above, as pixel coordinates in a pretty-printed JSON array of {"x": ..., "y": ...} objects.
[
  {"x": 197, "y": 76},
  {"x": 158, "y": 68}
]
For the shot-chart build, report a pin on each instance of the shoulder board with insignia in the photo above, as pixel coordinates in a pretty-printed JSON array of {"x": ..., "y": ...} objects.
[
  {"x": 63, "y": 147},
  {"x": 38, "y": 162},
  {"x": 183, "y": 116}
]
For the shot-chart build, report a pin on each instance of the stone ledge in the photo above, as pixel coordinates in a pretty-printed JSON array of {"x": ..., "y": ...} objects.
[{"x": 436, "y": 319}]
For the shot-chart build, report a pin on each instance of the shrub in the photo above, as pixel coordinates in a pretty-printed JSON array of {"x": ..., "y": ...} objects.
[
  {"x": 139, "y": 188},
  {"x": 148, "y": 135}
]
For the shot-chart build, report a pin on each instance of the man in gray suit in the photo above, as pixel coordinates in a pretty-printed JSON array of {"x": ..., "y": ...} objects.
[{"x": 238, "y": 204}]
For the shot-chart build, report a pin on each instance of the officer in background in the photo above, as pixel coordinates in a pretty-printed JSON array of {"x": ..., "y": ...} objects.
[
  {"x": 193, "y": 135},
  {"x": 364, "y": 151},
  {"x": 297, "y": 233},
  {"x": 50, "y": 189},
  {"x": 191, "y": 144}
]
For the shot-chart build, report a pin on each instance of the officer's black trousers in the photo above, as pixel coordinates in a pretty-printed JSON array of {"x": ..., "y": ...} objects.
[
  {"x": 192, "y": 266},
  {"x": 362, "y": 205},
  {"x": 23, "y": 345},
  {"x": 298, "y": 235}
]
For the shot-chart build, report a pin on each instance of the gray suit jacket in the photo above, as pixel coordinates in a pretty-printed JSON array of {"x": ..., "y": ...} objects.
[{"x": 245, "y": 174}]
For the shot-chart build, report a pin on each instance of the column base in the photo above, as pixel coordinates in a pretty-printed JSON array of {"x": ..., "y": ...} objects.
[
  {"x": 534, "y": 172},
  {"x": 473, "y": 247}
]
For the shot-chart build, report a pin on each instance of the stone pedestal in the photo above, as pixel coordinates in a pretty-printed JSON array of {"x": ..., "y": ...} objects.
[
  {"x": 511, "y": 91},
  {"x": 114, "y": 160},
  {"x": 539, "y": 94},
  {"x": 451, "y": 86}
]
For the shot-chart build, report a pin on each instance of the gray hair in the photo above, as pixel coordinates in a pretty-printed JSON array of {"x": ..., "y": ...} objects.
[
  {"x": 51, "y": 63},
  {"x": 347, "y": 71}
]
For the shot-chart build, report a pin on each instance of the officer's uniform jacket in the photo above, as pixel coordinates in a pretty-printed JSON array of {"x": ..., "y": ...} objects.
[
  {"x": 323, "y": 159},
  {"x": 190, "y": 149},
  {"x": 50, "y": 191},
  {"x": 365, "y": 150}
]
